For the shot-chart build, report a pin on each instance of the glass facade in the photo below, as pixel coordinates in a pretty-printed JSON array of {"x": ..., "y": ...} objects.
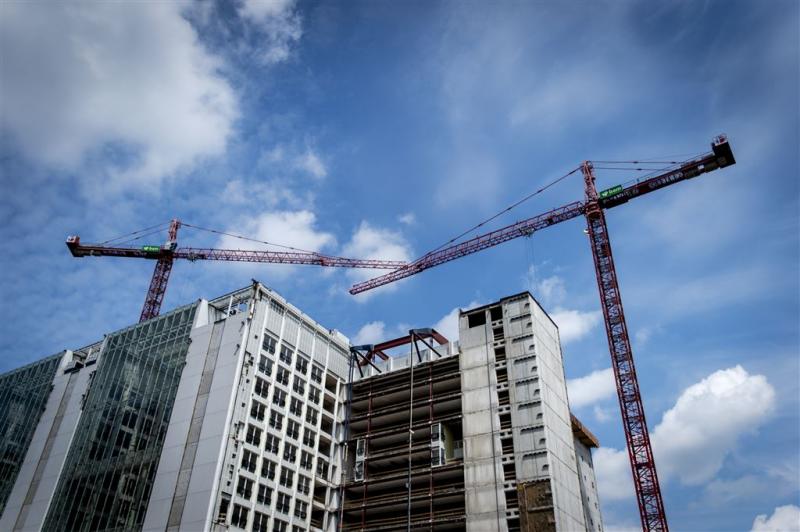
[
  {"x": 109, "y": 470},
  {"x": 23, "y": 397}
]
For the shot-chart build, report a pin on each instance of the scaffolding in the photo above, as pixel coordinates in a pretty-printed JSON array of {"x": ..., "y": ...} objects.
[{"x": 402, "y": 433}]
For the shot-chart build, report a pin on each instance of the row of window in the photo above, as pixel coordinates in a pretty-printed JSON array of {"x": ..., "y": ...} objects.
[
  {"x": 282, "y": 377},
  {"x": 285, "y": 354},
  {"x": 240, "y": 516},
  {"x": 254, "y": 434}
]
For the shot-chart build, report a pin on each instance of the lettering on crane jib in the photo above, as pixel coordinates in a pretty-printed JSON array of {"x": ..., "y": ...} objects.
[{"x": 671, "y": 178}]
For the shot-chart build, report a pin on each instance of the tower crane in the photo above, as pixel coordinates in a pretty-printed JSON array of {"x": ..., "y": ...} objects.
[
  {"x": 166, "y": 254},
  {"x": 648, "y": 491}
]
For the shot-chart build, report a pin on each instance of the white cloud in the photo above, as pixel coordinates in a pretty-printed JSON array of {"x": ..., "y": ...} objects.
[
  {"x": 279, "y": 24},
  {"x": 643, "y": 335},
  {"x": 721, "y": 493},
  {"x": 371, "y": 333},
  {"x": 131, "y": 79},
  {"x": 696, "y": 435},
  {"x": 783, "y": 519},
  {"x": 408, "y": 218},
  {"x": 288, "y": 228},
  {"x": 574, "y": 324},
  {"x": 369, "y": 242},
  {"x": 592, "y": 388},
  {"x": 267, "y": 195},
  {"x": 613, "y": 472},
  {"x": 601, "y": 414},
  {"x": 552, "y": 290},
  {"x": 311, "y": 163}
]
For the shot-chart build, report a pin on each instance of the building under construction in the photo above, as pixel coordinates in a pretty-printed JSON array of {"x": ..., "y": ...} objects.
[
  {"x": 472, "y": 435},
  {"x": 235, "y": 413}
]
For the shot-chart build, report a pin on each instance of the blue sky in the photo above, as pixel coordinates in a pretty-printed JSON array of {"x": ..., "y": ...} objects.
[{"x": 378, "y": 129}]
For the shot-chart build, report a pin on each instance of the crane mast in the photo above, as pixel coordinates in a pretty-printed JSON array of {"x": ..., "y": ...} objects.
[{"x": 637, "y": 437}]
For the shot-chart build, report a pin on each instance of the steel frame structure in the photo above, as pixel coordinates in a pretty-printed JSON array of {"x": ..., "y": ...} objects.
[
  {"x": 363, "y": 355},
  {"x": 643, "y": 469},
  {"x": 166, "y": 254}
]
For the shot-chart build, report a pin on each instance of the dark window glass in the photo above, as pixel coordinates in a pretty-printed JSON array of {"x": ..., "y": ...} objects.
[
  {"x": 23, "y": 397},
  {"x": 272, "y": 443},
  {"x": 260, "y": 522},
  {"x": 286, "y": 354},
  {"x": 265, "y": 365},
  {"x": 269, "y": 344},
  {"x": 138, "y": 371},
  {"x": 268, "y": 469},
  {"x": 302, "y": 364},
  {"x": 239, "y": 516},
  {"x": 264, "y": 494}
]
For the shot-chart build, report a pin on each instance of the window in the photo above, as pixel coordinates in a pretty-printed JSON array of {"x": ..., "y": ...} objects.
[
  {"x": 272, "y": 444},
  {"x": 279, "y": 526},
  {"x": 313, "y": 395},
  {"x": 239, "y": 517},
  {"x": 296, "y": 528},
  {"x": 293, "y": 429},
  {"x": 244, "y": 487},
  {"x": 223, "y": 506},
  {"x": 282, "y": 376},
  {"x": 309, "y": 436},
  {"x": 279, "y": 397},
  {"x": 264, "y": 495},
  {"x": 311, "y": 416},
  {"x": 299, "y": 385},
  {"x": 262, "y": 387},
  {"x": 268, "y": 469},
  {"x": 269, "y": 344},
  {"x": 306, "y": 460},
  {"x": 300, "y": 509},
  {"x": 275, "y": 420},
  {"x": 265, "y": 365},
  {"x": 322, "y": 468},
  {"x": 302, "y": 364},
  {"x": 287, "y": 477},
  {"x": 257, "y": 410},
  {"x": 303, "y": 484},
  {"x": 316, "y": 373},
  {"x": 296, "y": 406},
  {"x": 253, "y": 435},
  {"x": 289, "y": 452},
  {"x": 286, "y": 354},
  {"x": 283, "y": 503},
  {"x": 249, "y": 461},
  {"x": 260, "y": 522}
]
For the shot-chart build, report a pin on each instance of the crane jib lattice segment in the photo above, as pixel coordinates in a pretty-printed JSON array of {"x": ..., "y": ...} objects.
[
  {"x": 720, "y": 157},
  {"x": 479, "y": 243}
]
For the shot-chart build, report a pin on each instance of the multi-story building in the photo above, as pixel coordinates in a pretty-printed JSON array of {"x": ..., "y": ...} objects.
[
  {"x": 475, "y": 435},
  {"x": 233, "y": 413},
  {"x": 219, "y": 414}
]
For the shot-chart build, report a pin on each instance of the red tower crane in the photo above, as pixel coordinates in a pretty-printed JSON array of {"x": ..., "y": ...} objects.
[
  {"x": 648, "y": 492},
  {"x": 166, "y": 254}
]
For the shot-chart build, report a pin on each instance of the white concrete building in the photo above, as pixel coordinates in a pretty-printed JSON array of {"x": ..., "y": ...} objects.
[
  {"x": 221, "y": 414},
  {"x": 500, "y": 393}
]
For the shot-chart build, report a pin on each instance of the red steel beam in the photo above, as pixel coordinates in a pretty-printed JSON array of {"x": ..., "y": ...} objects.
[
  {"x": 479, "y": 243},
  {"x": 637, "y": 436}
]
